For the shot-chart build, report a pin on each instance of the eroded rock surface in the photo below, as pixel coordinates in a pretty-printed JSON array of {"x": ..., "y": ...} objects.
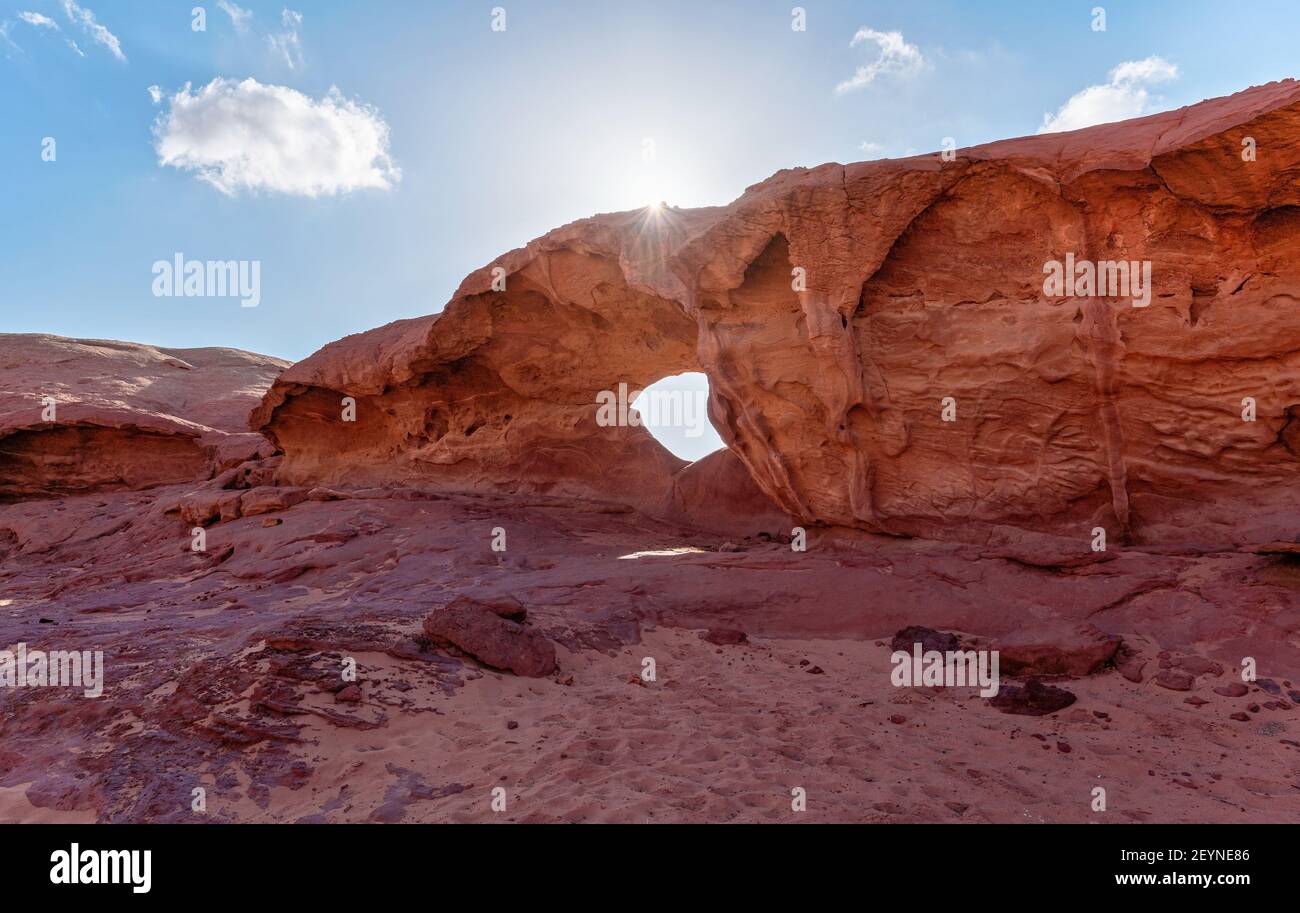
[
  {"x": 835, "y": 308},
  {"x": 79, "y": 415},
  {"x": 491, "y": 636}
]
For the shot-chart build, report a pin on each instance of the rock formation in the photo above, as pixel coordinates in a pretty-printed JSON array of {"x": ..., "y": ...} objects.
[
  {"x": 79, "y": 415},
  {"x": 837, "y": 310}
]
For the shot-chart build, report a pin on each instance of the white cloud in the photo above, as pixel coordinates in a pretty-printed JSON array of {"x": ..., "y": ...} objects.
[
  {"x": 896, "y": 58},
  {"x": 287, "y": 43},
  {"x": 1125, "y": 95},
  {"x": 238, "y": 15},
  {"x": 4, "y": 36},
  {"x": 36, "y": 19},
  {"x": 155, "y": 94},
  {"x": 72, "y": 44},
  {"x": 101, "y": 35},
  {"x": 240, "y": 136},
  {"x": 871, "y": 147}
]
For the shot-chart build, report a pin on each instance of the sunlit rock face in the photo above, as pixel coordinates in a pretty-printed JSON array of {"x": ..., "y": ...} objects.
[
  {"x": 843, "y": 313},
  {"x": 87, "y": 415}
]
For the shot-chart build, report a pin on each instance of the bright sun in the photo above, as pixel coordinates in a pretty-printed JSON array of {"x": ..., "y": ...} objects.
[{"x": 655, "y": 189}]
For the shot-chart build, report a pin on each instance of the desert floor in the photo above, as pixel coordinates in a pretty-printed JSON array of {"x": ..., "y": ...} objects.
[{"x": 222, "y": 673}]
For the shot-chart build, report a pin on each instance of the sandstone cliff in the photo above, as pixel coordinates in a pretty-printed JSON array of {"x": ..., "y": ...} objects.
[
  {"x": 82, "y": 415},
  {"x": 924, "y": 280}
]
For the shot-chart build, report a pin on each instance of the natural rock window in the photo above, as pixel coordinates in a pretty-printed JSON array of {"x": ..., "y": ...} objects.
[{"x": 675, "y": 412}]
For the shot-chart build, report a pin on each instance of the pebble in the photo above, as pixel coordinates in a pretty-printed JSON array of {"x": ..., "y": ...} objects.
[{"x": 1175, "y": 680}]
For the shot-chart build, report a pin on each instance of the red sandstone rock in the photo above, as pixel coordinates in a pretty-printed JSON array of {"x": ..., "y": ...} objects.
[
  {"x": 493, "y": 640},
  {"x": 930, "y": 640},
  {"x": 505, "y": 606},
  {"x": 724, "y": 636},
  {"x": 1034, "y": 699},
  {"x": 1193, "y": 665},
  {"x": 126, "y": 416},
  {"x": 925, "y": 280},
  {"x": 1129, "y": 662},
  {"x": 1232, "y": 689},
  {"x": 265, "y": 500},
  {"x": 1073, "y": 651},
  {"x": 718, "y": 494},
  {"x": 1175, "y": 680}
]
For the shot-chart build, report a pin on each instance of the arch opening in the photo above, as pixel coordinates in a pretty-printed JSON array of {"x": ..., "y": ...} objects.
[{"x": 675, "y": 412}]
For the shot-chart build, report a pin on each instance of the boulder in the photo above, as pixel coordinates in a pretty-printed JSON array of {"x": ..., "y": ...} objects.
[
  {"x": 928, "y": 638},
  {"x": 1033, "y": 699},
  {"x": 478, "y": 631},
  {"x": 1071, "y": 651}
]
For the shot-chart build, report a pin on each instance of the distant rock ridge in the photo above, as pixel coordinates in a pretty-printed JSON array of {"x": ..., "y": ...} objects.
[
  {"x": 840, "y": 311},
  {"x": 83, "y": 415}
]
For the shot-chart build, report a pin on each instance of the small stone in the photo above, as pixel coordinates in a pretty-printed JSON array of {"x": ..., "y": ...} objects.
[
  {"x": 1034, "y": 699},
  {"x": 1195, "y": 701},
  {"x": 349, "y": 695},
  {"x": 512, "y": 724},
  {"x": 815, "y": 670},
  {"x": 724, "y": 636},
  {"x": 1063, "y": 747},
  {"x": 898, "y": 719},
  {"x": 1253, "y": 708},
  {"x": 1197, "y": 665},
  {"x": 928, "y": 638},
  {"x": 1269, "y": 685},
  {"x": 1232, "y": 689},
  {"x": 1130, "y": 663},
  {"x": 1239, "y": 717},
  {"x": 1175, "y": 680}
]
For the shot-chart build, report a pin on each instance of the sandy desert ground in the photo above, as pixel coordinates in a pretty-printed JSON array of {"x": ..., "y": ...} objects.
[{"x": 217, "y": 682}]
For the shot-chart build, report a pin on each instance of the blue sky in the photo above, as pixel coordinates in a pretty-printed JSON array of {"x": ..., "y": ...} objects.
[{"x": 494, "y": 137}]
